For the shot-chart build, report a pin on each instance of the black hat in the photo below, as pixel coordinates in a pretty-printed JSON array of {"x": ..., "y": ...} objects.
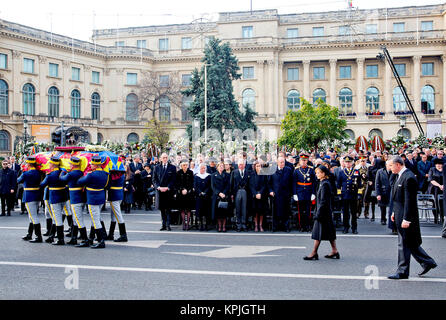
[
  {"x": 304, "y": 155},
  {"x": 55, "y": 160},
  {"x": 75, "y": 161},
  {"x": 96, "y": 160},
  {"x": 348, "y": 159},
  {"x": 438, "y": 161},
  {"x": 324, "y": 169},
  {"x": 327, "y": 162},
  {"x": 31, "y": 159}
]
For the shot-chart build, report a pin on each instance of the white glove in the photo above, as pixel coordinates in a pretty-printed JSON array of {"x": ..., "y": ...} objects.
[
  {"x": 295, "y": 197},
  {"x": 313, "y": 197}
]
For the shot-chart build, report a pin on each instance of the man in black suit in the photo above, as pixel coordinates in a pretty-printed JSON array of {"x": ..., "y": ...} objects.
[
  {"x": 411, "y": 163},
  {"x": 239, "y": 192},
  {"x": 18, "y": 171},
  {"x": 136, "y": 167},
  {"x": 8, "y": 183},
  {"x": 280, "y": 188},
  {"x": 405, "y": 216},
  {"x": 164, "y": 183}
]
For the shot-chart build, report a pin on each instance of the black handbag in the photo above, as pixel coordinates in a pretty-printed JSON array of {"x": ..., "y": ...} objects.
[
  {"x": 223, "y": 205},
  {"x": 151, "y": 192}
]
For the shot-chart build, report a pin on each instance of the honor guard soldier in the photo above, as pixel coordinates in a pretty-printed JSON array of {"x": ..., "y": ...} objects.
[
  {"x": 304, "y": 180},
  {"x": 115, "y": 196},
  {"x": 363, "y": 168},
  {"x": 77, "y": 199},
  {"x": 31, "y": 197},
  {"x": 349, "y": 180},
  {"x": 48, "y": 214},
  {"x": 95, "y": 183},
  {"x": 57, "y": 198}
]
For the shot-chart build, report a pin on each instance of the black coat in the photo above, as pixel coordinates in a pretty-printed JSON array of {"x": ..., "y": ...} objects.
[
  {"x": 237, "y": 182},
  {"x": 383, "y": 187},
  {"x": 128, "y": 195},
  {"x": 164, "y": 178},
  {"x": 8, "y": 181},
  {"x": 147, "y": 180},
  {"x": 323, "y": 228},
  {"x": 405, "y": 207},
  {"x": 282, "y": 185},
  {"x": 220, "y": 183},
  {"x": 258, "y": 184},
  {"x": 203, "y": 192},
  {"x": 185, "y": 180}
]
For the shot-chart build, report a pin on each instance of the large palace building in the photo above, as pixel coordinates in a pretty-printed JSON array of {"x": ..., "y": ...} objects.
[{"x": 47, "y": 78}]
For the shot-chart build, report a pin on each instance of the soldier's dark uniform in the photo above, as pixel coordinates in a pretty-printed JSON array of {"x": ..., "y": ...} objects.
[
  {"x": 304, "y": 179},
  {"x": 349, "y": 181},
  {"x": 115, "y": 192}
]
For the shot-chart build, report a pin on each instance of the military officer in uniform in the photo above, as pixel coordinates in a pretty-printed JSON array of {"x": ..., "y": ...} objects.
[
  {"x": 304, "y": 180},
  {"x": 363, "y": 168},
  {"x": 349, "y": 180},
  {"x": 31, "y": 197},
  {"x": 57, "y": 198},
  {"x": 77, "y": 199},
  {"x": 115, "y": 192},
  {"x": 95, "y": 183}
]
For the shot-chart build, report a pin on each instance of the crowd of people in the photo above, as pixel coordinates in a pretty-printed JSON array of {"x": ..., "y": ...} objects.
[{"x": 229, "y": 192}]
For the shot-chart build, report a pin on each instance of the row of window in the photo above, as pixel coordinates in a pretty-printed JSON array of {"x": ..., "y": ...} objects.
[
  {"x": 371, "y": 99},
  {"x": 345, "y": 72},
  {"x": 378, "y": 132},
  {"x": 163, "y": 44}
]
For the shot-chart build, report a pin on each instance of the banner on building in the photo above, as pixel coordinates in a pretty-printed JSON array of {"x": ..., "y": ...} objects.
[
  {"x": 41, "y": 133},
  {"x": 433, "y": 128}
]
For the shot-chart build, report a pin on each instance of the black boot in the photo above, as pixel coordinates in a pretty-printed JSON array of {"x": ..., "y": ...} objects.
[
  {"x": 91, "y": 236},
  {"x": 101, "y": 236},
  {"x": 49, "y": 223},
  {"x": 111, "y": 231},
  {"x": 201, "y": 224},
  {"x": 105, "y": 230},
  {"x": 29, "y": 236},
  {"x": 123, "y": 233},
  {"x": 60, "y": 236},
  {"x": 51, "y": 235},
  {"x": 73, "y": 239},
  {"x": 70, "y": 225},
  {"x": 85, "y": 241},
  {"x": 38, "y": 233}
]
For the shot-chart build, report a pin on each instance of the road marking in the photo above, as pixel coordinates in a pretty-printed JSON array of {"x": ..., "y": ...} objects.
[
  {"x": 251, "y": 234},
  {"x": 217, "y": 273}
]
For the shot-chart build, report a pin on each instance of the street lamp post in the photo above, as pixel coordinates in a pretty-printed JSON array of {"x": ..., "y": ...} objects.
[
  {"x": 25, "y": 130},
  {"x": 402, "y": 123},
  {"x": 62, "y": 135},
  {"x": 206, "y": 103}
]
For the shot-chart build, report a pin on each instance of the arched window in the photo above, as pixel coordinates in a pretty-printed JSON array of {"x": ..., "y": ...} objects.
[
  {"x": 131, "y": 107},
  {"x": 399, "y": 104},
  {"x": 95, "y": 106},
  {"x": 75, "y": 104},
  {"x": 350, "y": 133},
  {"x": 29, "y": 99},
  {"x": 372, "y": 100},
  {"x": 100, "y": 138},
  {"x": 187, "y": 100},
  {"x": 405, "y": 133},
  {"x": 53, "y": 102},
  {"x": 249, "y": 98},
  {"x": 319, "y": 94},
  {"x": 133, "y": 137},
  {"x": 375, "y": 132},
  {"x": 4, "y": 97},
  {"x": 428, "y": 97},
  {"x": 293, "y": 99},
  {"x": 4, "y": 140},
  {"x": 164, "y": 109},
  {"x": 345, "y": 101}
]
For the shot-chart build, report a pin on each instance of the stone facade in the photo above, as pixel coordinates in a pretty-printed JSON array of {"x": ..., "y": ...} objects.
[{"x": 278, "y": 54}]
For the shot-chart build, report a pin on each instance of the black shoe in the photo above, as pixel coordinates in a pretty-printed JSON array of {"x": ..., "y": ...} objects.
[
  {"x": 383, "y": 222},
  {"x": 122, "y": 238},
  {"x": 398, "y": 276},
  {"x": 355, "y": 231},
  {"x": 59, "y": 243},
  {"x": 37, "y": 240},
  {"x": 345, "y": 230},
  {"x": 163, "y": 228},
  {"x": 101, "y": 236},
  {"x": 49, "y": 223},
  {"x": 372, "y": 220},
  {"x": 22, "y": 213},
  {"x": 2, "y": 214},
  {"x": 27, "y": 237},
  {"x": 50, "y": 239},
  {"x": 333, "y": 256},
  {"x": 83, "y": 244},
  {"x": 426, "y": 270},
  {"x": 169, "y": 229},
  {"x": 315, "y": 257},
  {"x": 73, "y": 241},
  {"x": 443, "y": 236}
]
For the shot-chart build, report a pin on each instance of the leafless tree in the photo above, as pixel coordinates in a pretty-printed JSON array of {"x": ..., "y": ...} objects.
[{"x": 154, "y": 88}]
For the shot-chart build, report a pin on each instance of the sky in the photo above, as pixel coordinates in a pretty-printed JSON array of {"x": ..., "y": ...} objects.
[{"x": 78, "y": 18}]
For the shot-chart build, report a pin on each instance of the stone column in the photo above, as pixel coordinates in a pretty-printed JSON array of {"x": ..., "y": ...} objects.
[
  {"x": 42, "y": 96},
  {"x": 65, "y": 101},
  {"x": 15, "y": 102},
  {"x": 120, "y": 98},
  {"x": 260, "y": 102},
  {"x": 360, "y": 88},
  {"x": 333, "y": 82},
  {"x": 270, "y": 108},
  {"x": 443, "y": 107},
  {"x": 307, "y": 94},
  {"x": 416, "y": 83},
  {"x": 276, "y": 86},
  {"x": 388, "y": 90},
  {"x": 86, "y": 95},
  {"x": 282, "y": 105}
]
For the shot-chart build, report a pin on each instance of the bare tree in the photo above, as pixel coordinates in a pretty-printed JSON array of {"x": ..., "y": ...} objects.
[{"x": 157, "y": 88}]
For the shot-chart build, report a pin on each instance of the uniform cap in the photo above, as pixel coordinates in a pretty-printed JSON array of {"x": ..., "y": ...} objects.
[
  {"x": 55, "y": 160},
  {"x": 96, "y": 160},
  {"x": 75, "y": 161},
  {"x": 348, "y": 159},
  {"x": 304, "y": 155},
  {"x": 31, "y": 159}
]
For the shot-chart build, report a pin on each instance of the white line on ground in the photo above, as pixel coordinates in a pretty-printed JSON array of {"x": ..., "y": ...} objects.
[
  {"x": 217, "y": 273},
  {"x": 252, "y": 234}
]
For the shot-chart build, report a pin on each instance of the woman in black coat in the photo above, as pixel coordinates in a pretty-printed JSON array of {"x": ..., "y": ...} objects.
[
  {"x": 203, "y": 192},
  {"x": 185, "y": 192},
  {"x": 129, "y": 189},
  {"x": 435, "y": 187},
  {"x": 259, "y": 190},
  {"x": 220, "y": 184},
  {"x": 323, "y": 228}
]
